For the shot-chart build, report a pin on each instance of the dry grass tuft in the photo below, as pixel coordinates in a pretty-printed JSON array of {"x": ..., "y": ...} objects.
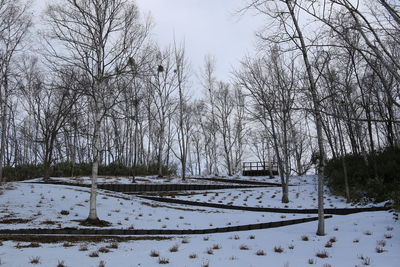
[
  {"x": 83, "y": 248},
  {"x": 193, "y": 256},
  {"x": 244, "y": 247},
  {"x": 154, "y": 253},
  {"x": 216, "y": 246},
  {"x": 104, "y": 250},
  {"x": 278, "y": 249},
  {"x": 113, "y": 245},
  {"x": 61, "y": 264},
  {"x": 260, "y": 252},
  {"x": 163, "y": 261},
  {"x": 35, "y": 260},
  {"x": 322, "y": 254},
  {"x": 68, "y": 244},
  {"x": 94, "y": 254}
]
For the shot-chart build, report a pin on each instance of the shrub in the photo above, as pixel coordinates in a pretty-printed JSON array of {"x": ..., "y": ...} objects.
[
  {"x": 363, "y": 183},
  {"x": 65, "y": 169}
]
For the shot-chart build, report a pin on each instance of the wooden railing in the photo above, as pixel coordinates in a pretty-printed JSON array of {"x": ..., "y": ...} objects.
[{"x": 259, "y": 169}]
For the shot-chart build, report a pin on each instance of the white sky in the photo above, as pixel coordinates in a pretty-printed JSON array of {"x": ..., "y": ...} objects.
[{"x": 207, "y": 27}]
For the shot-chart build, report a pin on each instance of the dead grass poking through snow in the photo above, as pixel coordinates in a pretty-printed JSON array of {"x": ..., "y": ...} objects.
[
  {"x": 60, "y": 264},
  {"x": 322, "y": 254},
  {"x": 304, "y": 238},
  {"x": 244, "y": 247},
  {"x": 154, "y": 253},
  {"x": 94, "y": 254},
  {"x": 35, "y": 260},
  {"x": 104, "y": 250},
  {"x": 216, "y": 246},
  {"x": 174, "y": 248},
  {"x": 193, "y": 256},
  {"x": 260, "y": 252},
  {"x": 163, "y": 261}
]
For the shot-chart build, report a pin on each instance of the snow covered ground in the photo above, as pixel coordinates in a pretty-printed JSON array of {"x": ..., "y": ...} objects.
[
  {"x": 370, "y": 238},
  {"x": 302, "y": 195},
  {"x": 56, "y": 206}
]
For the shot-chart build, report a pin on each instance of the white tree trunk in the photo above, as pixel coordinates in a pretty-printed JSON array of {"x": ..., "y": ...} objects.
[{"x": 95, "y": 167}]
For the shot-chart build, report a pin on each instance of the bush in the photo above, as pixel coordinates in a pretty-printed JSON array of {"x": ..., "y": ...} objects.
[
  {"x": 65, "y": 169},
  {"x": 363, "y": 183}
]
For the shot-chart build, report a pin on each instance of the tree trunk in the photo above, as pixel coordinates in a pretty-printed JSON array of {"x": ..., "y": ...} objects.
[
  {"x": 95, "y": 167},
  {"x": 4, "y": 101},
  {"x": 318, "y": 121}
]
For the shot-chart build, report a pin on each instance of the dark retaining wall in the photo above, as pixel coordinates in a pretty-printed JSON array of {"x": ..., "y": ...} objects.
[
  {"x": 127, "y": 188},
  {"x": 238, "y": 181},
  {"x": 345, "y": 211},
  {"x": 111, "y": 232}
]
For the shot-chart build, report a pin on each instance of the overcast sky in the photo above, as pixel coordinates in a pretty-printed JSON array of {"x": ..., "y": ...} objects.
[{"x": 207, "y": 26}]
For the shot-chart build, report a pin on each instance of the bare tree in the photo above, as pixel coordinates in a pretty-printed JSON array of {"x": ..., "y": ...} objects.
[
  {"x": 285, "y": 15},
  {"x": 163, "y": 84},
  {"x": 50, "y": 105},
  {"x": 14, "y": 26},
  {"x": 272, "y": 89},
  {"x": 184, "y": 123},
  {"x": 209, "y": 84},
  {"x": 98, "y": 37}
]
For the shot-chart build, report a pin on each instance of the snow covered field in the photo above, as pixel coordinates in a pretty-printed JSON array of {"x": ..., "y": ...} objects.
[{"x": 370, "y": 238}]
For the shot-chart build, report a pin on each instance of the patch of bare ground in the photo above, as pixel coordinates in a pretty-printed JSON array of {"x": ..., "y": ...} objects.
[{"x": 97, "y": 223}]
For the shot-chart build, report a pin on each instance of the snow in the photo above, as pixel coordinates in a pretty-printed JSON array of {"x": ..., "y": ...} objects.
[{"x": 357, "y": 236}]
